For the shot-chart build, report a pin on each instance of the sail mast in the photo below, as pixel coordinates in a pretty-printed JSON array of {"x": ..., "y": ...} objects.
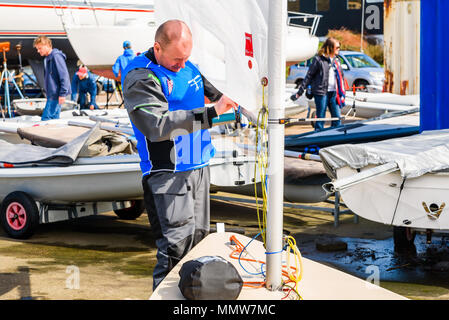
[{"x": 276, "y": 87}]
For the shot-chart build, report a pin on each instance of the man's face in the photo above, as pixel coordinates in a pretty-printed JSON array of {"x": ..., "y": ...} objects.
[
  {"x": 174, "y": 55},
  {"x": 43, "y": 49}
]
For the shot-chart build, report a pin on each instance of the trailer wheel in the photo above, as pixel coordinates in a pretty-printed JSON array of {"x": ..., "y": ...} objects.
[
  {"x": 404, "y": 238},
  {"x": 133, "y": 212},
  {"x": 19, "y": 215}
]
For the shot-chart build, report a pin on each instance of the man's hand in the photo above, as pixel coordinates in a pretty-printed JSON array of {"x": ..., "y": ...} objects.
[
  {"x": 224, "y": 104},
  {"x": 61, "y": 100}
]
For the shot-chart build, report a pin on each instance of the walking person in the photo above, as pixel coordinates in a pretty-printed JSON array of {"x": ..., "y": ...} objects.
[
  {"x": 56, "y": 75},
  {"x": 83, "y": 83},
  {"x": 123, "y": 60},
  {"x": 164, "y": 94},
  {"x": 325, "y": 76}
]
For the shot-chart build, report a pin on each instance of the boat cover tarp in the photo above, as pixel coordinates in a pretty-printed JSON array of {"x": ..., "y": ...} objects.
[
  {"x": 52, "y": 135},
  {"x": 24, "y": 154},
  {"x": 100, "y": 142},
  {"x": 295, "y": 170},
  {"x": 415, "y": 155},
  {"x": 106, "y": 143}
]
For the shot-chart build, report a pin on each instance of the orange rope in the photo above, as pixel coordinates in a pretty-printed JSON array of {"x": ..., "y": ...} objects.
[{"x": 235, "y": 254}]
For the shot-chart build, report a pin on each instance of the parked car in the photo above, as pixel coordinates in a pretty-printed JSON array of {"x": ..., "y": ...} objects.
[{"x": 359, "y": 70}]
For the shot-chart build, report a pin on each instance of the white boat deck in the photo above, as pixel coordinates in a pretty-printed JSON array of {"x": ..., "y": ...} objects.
[{"x": 319, "y": 282}]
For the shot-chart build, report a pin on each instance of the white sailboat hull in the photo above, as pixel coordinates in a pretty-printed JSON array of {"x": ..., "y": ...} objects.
[
  {"x": 385, "y": 97},
  {"x": 99, "y": 46},
  {"x": 105, "y": 179},
  {"x": 392, "y": 200},
  {"x": 369, "y": 105},
  {"x": 368, "y": 110},
  {"x": 83, "y": 183}
]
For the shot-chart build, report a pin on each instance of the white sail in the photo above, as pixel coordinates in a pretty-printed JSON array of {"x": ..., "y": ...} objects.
[{"x": 229, "y": 48}]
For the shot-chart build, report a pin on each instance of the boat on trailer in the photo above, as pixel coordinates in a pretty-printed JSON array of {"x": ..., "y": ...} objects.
[
  {"x": 401, "y": 182},
  {"x": 41, "y": 185}
]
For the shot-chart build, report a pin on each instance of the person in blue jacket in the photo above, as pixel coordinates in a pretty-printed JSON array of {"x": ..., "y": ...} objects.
[
  {"x": 83, "y": 82},
  {"x": 56, "y": 75},
  {"x": 123, "y": 60}
]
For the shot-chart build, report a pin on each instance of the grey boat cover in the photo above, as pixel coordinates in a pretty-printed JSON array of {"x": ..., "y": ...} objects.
[
  {"x": 297, "y": 169},
  {"x": 52, "y": 135},
  {"x": 415, "y": 155},
  {"x": 24, "y": 154},
  {"x": 100, "y": 142}
]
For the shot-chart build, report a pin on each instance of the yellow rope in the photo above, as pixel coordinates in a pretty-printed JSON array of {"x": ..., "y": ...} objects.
[{"x": 262, "y": 164}]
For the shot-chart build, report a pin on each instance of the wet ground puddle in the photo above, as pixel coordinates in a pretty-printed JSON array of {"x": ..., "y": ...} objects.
[{"x": 428, "y": 264}]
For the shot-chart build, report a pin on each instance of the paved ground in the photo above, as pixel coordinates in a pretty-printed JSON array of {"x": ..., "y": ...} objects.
[{"x": 102, "y": 257}]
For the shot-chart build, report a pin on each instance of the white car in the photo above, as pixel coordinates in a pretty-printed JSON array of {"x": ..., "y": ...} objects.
[{"x": 360, "y": 70}]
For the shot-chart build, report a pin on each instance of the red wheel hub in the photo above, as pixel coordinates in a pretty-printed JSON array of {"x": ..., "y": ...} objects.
[{"x": 16, "y": 216}]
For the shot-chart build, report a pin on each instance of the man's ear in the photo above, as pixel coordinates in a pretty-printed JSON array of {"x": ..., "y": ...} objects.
[{"x": 157, "y": 47}]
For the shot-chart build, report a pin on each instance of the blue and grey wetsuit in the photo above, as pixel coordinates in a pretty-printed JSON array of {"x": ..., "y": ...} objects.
[{"x": 170, "y": 122}]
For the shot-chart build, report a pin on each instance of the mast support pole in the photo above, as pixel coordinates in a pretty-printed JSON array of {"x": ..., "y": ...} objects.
[{"x": 276, "y": 87}]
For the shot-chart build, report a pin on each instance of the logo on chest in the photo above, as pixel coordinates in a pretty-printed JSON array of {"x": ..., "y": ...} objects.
[{"x": 196, "y": 82}]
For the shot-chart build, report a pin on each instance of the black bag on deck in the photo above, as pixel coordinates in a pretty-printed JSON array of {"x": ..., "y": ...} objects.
[{"x": 209, "y": 278}]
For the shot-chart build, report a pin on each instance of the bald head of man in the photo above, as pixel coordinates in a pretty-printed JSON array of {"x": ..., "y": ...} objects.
[{"x": 173, "y": 45}]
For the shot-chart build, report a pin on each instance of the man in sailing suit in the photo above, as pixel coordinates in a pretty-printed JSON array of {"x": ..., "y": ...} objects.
[{"x": 164, "y": 94}]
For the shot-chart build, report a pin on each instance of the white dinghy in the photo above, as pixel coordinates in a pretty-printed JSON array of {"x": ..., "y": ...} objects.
[
  {"x": 35, "y": 107},
  {"x": 370, "y": 105},
  {"x": 67, "y": 180},
  {"x": 401, "y": 182}
]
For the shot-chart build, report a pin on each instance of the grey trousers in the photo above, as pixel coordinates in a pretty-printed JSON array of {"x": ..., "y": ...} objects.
[{"x": 178, "y": 207}]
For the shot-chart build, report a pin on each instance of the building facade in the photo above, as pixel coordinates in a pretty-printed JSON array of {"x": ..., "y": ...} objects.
[{"x": 347, "y": 14}]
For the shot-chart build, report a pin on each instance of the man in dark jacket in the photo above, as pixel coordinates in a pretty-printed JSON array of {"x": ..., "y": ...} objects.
[
  {"x": 83, "y": 83},
  {"x": 57, "y": 79}
]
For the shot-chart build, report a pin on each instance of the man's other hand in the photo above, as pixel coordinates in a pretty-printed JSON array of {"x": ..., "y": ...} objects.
[
  {"x": 224, "y": 104},
  {"x": 61, "y": 100}
]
